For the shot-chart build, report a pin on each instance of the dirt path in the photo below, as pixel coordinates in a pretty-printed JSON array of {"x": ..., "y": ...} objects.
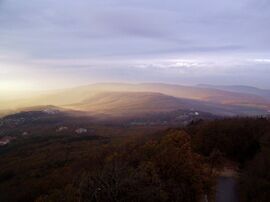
[
  {"x": 226, "y": 190},
  {"x": 227, "y": 186}
]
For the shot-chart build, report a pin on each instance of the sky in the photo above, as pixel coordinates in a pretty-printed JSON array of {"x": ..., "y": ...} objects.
[{"x": 48, "y": 44}]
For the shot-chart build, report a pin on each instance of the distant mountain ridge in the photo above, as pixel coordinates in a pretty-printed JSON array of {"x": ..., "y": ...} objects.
[
  {"x": 78, "y": 94},
  {"x": 124, "y": 99},
  {"x": 240, "y": 89},
  {"x": 135, "y": 103}
]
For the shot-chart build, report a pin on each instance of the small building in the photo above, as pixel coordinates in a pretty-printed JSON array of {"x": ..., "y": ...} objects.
[
  {"x": 5, "y": 140},
  {"x": 62, "y": 128},
  {"x": 51, "y": 111},
  {"x": 25, "y": 133},
  {"x": 81, "y": 130}
]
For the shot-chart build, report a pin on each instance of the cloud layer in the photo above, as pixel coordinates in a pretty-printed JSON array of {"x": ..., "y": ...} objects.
[{"x": 186, "y": 41}]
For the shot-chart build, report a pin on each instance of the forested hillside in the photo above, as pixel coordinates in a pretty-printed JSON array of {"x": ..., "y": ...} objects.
[{"x": 179, "y": 164}]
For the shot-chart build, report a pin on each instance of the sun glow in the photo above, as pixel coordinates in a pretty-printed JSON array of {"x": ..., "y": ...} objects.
[
  {"x": 14, "y": 89},
  {"x": 16, "y": 86}
]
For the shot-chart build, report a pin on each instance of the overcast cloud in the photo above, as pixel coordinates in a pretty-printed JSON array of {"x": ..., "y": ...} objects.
[{"x": 52, "y": 44}]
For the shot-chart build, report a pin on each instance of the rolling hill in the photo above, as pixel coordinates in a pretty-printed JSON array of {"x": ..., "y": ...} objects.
[
  {"x": 142, "y": 103},
  {"x": 265, "y": 93},
  {"x": 118, "y": 99}
]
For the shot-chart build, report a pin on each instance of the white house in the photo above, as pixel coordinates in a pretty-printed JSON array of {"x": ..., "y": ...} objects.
[{"x": 81, "y": 130}]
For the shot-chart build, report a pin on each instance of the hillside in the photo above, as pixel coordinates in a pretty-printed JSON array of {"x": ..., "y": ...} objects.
[
  {"x": 121, "y": 103},
  {"x": 189, "y": 92},
  {"x": 45, "y": 161},
  {"x": 121, "y": 99},
  {"x": 141, "y": 103},
  {"x": 265, "y": 93}
]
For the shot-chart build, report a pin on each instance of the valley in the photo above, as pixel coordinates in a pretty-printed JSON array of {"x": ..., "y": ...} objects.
[{"x": 120, "y": 142}]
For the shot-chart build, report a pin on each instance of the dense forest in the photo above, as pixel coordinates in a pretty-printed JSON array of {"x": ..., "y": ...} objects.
[
  {"x": 177, "y": 164},
  {"x": 245, "y": 141}
]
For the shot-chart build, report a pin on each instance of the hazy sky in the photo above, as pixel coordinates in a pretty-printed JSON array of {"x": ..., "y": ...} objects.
[{"x": 54, "y": 44}]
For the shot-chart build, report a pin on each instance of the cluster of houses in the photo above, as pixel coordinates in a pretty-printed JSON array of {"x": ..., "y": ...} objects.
[
  {"x": 184, "y": 119},
  {"x": 6, "y": 140},
  {"x": 12, "y": 121},
  {"x": 62, "y": 128},
  {"x": 25, "y": 133},
  {"x": 148, "y": 123},
  {"x": 51, "y": 111},
  {"x": 188, "y": 115},
  {"x": 77, "y": 131},
  {"x": 23, "y": 117},
  {"x": 81, "y": 131}
]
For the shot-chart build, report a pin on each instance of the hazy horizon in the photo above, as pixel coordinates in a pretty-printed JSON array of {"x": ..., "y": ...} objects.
[{"x": 24, "y": 93}]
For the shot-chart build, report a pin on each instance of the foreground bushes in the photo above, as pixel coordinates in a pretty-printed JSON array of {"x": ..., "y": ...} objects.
[
  {"x": 255, "y": 179},
  {"x": 170, "y": 166},
  {"x": 245, "y": 141},
  {"x": 160, "y": 170},
  {"x": 239, "y": 139}
]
